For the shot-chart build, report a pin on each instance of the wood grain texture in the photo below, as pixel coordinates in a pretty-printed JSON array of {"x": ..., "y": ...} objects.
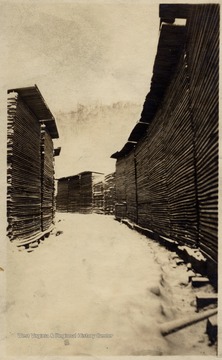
[
  {"x": 176, "y": 154},
  {"x": 30, "y": 175}
]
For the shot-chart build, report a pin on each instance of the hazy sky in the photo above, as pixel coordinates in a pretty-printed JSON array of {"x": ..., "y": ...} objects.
[{"x": 80, "y": 51}]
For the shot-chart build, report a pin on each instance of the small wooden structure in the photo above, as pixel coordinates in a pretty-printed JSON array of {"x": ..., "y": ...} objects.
[{"x": 31, "y": 129}]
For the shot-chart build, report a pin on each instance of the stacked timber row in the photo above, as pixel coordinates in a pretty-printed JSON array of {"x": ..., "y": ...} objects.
[
  {"x": 109, "y": 194},
  {"x": 62, "y": 195},
  {"x": 120, "y": 206},
  {"x": 98, "y": 196},
  {"x": 47, "y": 178},
  {"x": 56, "y": 152},
  {"x": 86, "y": 192},
  {"x": 76, "y": 194},
  {"x": 30, "y": 186},
  {"x": 203, "y": 75},
  {"x": 167, "y": 172}
]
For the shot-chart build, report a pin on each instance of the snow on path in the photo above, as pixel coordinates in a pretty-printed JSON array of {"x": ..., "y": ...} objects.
[{"x": 105, "y": 286}]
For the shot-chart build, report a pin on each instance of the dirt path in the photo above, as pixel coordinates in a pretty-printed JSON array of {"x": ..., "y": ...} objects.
[{"x": 97, "y": 288}]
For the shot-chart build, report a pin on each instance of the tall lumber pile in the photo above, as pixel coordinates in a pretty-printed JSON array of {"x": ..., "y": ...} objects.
[
  {"x": 130, "y": 185},
  {"x": 24, "y": 172},
  {"x": 203, "y": 74},
  {"x": 62, "y": 195},
  {"x": 98, "y": 197},
  {"x": 73, "y": 195},
  {"x": 173, "y": 188},
  {"x": 30, "y": 163},
  {"x": 47, "y": 210},
  {"x": 120, "y": 206},
  {"x": 81, "y": 193},
  {"x": 98, "y": 193},
  {"x": 109, "y": 194},
  {"x": 86, "y": 197}
]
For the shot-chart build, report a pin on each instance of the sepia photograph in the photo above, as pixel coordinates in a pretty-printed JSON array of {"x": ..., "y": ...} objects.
[{"x": 109, "y": 179}]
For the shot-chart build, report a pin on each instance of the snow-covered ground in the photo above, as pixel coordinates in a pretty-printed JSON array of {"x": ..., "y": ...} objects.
[{"x": 95, "y": 287}]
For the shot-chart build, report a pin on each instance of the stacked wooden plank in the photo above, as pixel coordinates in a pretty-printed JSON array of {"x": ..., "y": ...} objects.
[
  {"x": 153, "y": 211},
  {"x": 30, "y": 194},
  {"x": 156, "y": 177},
  {"x": 81, "y": 193},
  {"x": 121, "y": 180},
  {"x": 180, "y": 159},
  {"x": 175, "y": 143},
  {"x": 151, "y": 180},
  {"x": 86, "y": 197},
  {"x": 143, "y": 185},
  {"x": 109, "y": 194},
  {"x": 24, "y": 195},
  {"x": 120, "y": 207},
  {"x": 12, "y": 105},
  {"x": 130, "y": 183},
  {"x": 73, "y": 196},
  {"x": 203, "y": 67},
  {"x": 47, "y": 202},
  {"x": 62, "y": 195},
  {"x": 54, "y": 188},
  {"x": 98, "y": 197}
]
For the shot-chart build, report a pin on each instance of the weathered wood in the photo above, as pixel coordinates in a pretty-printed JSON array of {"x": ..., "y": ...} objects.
[
  {"x": 24, "y": 190},
  {"x": 176, "y": 153},
  {"x": 109, "y": 194},
  {"x": 212, "y": 328},
  {"x": 30, "y": 175},
  {"x": 205, "y": 299},
  {"x": 178, "y": 324},
  {"x": 83, "y": 193},
  {"x": 198, "y": 281},
  {"x": 47, "y": 179}
]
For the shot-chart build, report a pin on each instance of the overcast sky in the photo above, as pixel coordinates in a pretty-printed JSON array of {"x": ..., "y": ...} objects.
[{"x": 80, "y": 51}]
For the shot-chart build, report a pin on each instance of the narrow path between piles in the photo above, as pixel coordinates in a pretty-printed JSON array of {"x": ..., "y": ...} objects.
[{"x": 95, "y": 287}]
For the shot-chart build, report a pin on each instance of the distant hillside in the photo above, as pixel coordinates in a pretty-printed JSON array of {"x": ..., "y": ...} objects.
[{"x": 91, "y": 133}]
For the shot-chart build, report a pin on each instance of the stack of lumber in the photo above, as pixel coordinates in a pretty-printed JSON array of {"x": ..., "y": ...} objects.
[
  {"x": 12, "y": 104},
  {"x": 130, "y": 183},
  {"x": 203, "y": 67},
  {"x": 62, "y": 195},
  {"x": 86, "y": 197},
  {"x": 173, "y": 185},
  {"x": 153, "y": 200},
  {"x": 73, "y": 198},
  {"x": 30, "y": 162},
  {"x": 98, "y": 197},
  {"x": 98, "y": 192},
  {"x": 24, "y": 182},
  {"x": 81, "y": 193},
  {"x": 121, "y": 180},
  {"x": 120, "y": 210},
  {"x": 143, "y": 186},
  {"x": 109, "y": 194},
  {"x": 47, "y": 188},
  {"x": 180, "y": 159},
  {"x": 121, "y": 186}
]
